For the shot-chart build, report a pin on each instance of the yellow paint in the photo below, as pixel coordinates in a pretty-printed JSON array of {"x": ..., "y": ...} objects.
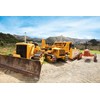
[
  {"x": 16, "y": 55},
  {"x": 58, "y": 46},
  {"x": 31, "y": 49},
  {"x": 73, "y": 52},
  {"x": 43, "y": 45},
  {"x": 56, "y": 52}
]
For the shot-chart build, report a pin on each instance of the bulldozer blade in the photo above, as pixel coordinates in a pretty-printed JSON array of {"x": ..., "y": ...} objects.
[{"x": 27, "y": 67}]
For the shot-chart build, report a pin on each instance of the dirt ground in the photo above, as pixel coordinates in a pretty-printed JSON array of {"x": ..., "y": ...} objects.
[{"x": 70, "y": 72}]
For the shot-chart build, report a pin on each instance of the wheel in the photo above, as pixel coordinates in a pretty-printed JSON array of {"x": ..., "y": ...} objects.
[
  {"x": 50, "y": 58},
  {"x": 54, "y": 59},
  {"x": 66, "y": 58},
  {"x": 95, "y": 58},
  {"x": 79, "y": 56}
]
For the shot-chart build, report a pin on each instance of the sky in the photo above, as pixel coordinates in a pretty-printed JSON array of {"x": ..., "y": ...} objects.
[{"x": 83, "y": 27}]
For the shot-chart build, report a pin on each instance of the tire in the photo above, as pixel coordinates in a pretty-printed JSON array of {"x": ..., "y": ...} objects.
[{"x": 95, "y": 58}]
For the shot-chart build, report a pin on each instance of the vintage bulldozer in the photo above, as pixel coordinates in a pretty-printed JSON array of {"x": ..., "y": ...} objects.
[
  {"x": 26, "y": 59},
  {"x": 52, "y": 54},
  {"x": 66, "y": 49},
  {"x": 69, "y": 48}
]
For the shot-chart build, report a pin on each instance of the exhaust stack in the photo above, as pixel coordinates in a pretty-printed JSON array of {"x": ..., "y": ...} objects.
[{"x": 25, "y": 38}]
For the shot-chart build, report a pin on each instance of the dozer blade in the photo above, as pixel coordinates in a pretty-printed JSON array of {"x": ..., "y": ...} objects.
[{"x": 25, "y": 66}]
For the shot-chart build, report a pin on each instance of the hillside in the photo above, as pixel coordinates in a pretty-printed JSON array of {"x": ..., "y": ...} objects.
[
  {"x": 79, "y": 43},
  {"x": 7, "y": 38},
  {"x": 53, "y": 39},
  {"x": 21, "y": 38},
  {"x": 62, "y": 38}
]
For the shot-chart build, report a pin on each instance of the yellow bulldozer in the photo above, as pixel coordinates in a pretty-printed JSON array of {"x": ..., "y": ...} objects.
[
  {"x": 69, "y": 48},
  {"x": 63, "y": 50},
  {"x": 26, "y": 59},
  {"x": 52, "y": 54}
]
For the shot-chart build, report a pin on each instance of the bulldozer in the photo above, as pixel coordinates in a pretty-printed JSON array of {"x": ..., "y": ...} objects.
[
  {"x": 69, "y": 48},
  {"x": 26, "y": 59},
  {"x": 52, "y": 54}
]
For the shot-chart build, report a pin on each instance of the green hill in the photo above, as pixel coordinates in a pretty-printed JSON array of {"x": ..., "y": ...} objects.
[{"x": 7, "y": 38}]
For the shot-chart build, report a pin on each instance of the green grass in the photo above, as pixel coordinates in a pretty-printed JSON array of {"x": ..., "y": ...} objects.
[
  {"x": 92, "y": 51},
  {"x": 7, "y": 50}
]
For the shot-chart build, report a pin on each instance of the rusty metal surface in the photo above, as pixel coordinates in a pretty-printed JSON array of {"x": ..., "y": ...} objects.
[{"x": 25, "y": 66}]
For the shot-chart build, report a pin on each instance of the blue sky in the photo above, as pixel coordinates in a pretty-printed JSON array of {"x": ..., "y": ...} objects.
[{"x": 84, "y": 27}]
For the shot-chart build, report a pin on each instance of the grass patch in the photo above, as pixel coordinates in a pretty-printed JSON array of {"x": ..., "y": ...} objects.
[{"x": 6, "y": 50}]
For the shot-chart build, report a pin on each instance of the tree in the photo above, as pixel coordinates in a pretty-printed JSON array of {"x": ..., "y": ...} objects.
[
  {"x": 94, "y": 42},
  {"x": 86, "y": 45}
]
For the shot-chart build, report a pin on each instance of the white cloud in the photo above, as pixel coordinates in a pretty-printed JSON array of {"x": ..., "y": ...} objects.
[
  {"x": 70, "y": 27},
  {"x": 76, "y": 29}
]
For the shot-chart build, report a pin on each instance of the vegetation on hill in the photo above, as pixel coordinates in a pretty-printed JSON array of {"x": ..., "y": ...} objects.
[
  {"x": 92, "y": 44},
  {"x": 7, "y": 38}
]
